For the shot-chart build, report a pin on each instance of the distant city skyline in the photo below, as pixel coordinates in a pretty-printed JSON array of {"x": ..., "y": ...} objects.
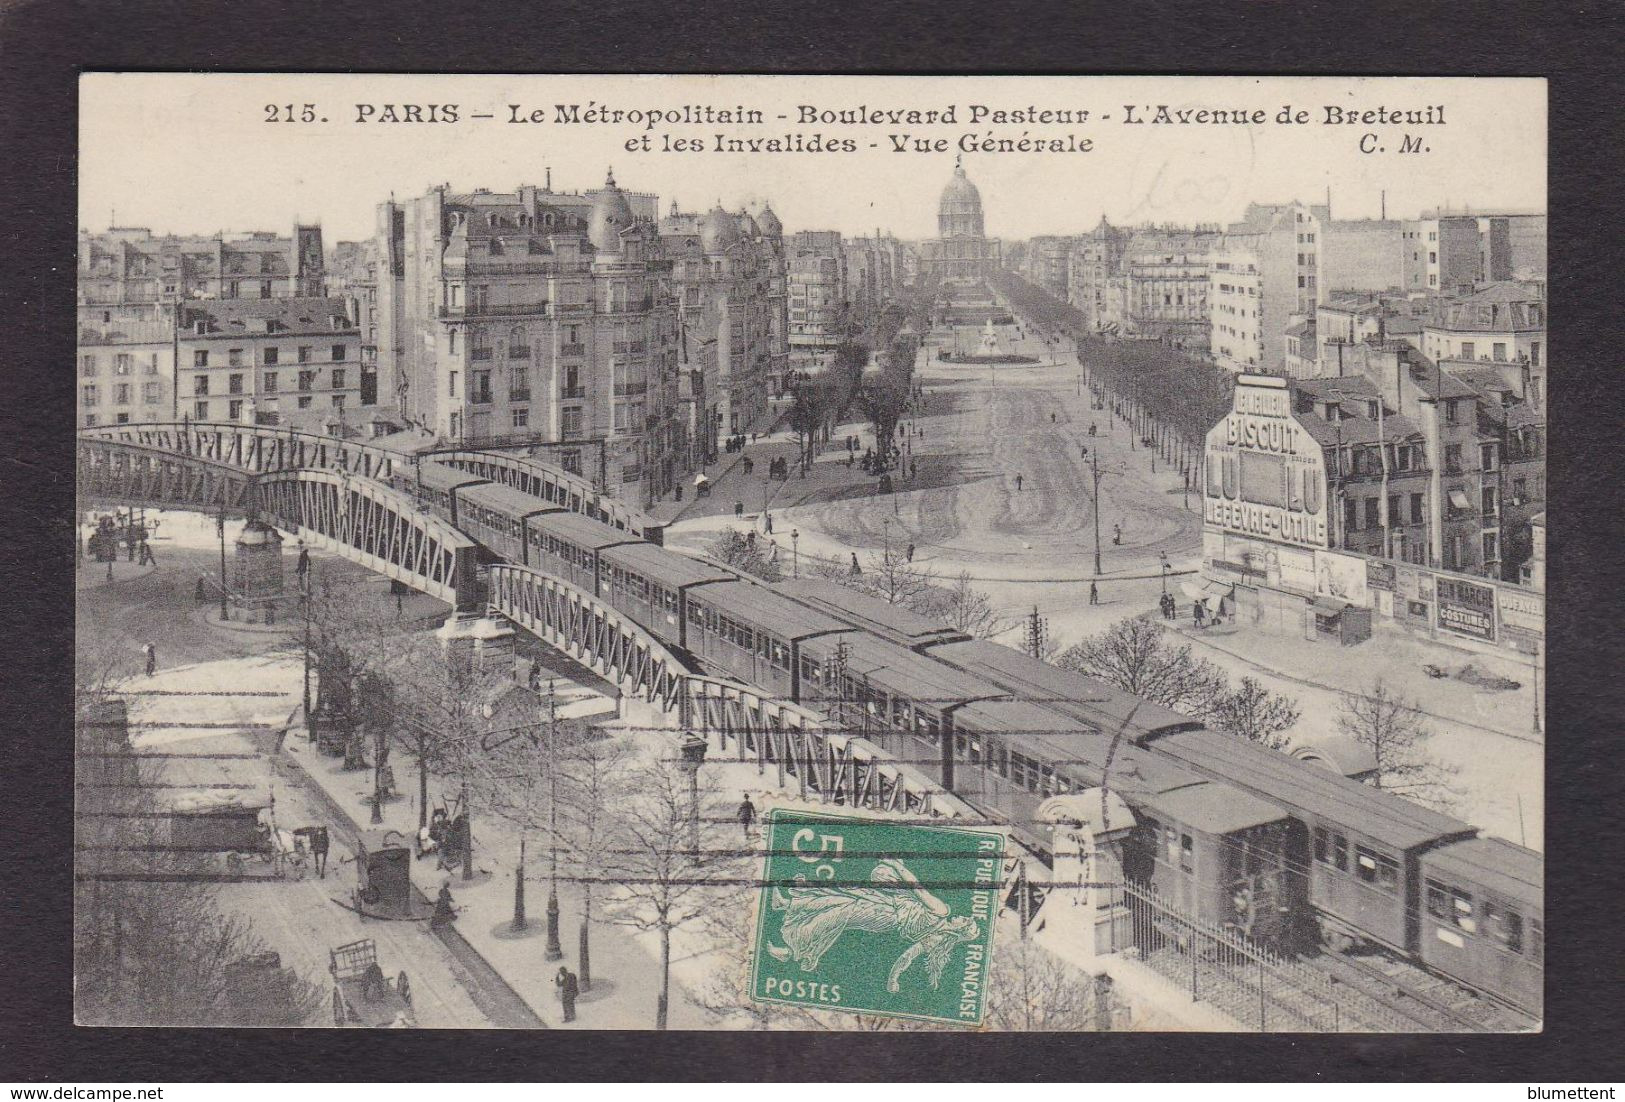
[{"x": 192, "y": 154}]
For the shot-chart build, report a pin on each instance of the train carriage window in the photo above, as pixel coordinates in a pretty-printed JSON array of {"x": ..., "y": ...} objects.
[
  {"x": 1187, "y": 853},
  {"x": 1340, "y": 852},
  {"x": 998, "y": 758},
  {"x": 1018, "y": 770},
  {"x": 975, "y": 750},
  {"x": 1323, "y": 846},
  {"x": 1047, "y": 787},
  {"x": 1375, "y": 869},
  {"x": 1506, "y": 928},
  {"x": 1438, "y": 901},
  {"x": 961, "y": 747}
]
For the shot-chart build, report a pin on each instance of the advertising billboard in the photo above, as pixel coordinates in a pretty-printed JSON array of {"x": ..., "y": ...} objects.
[
  {"x": 1264, "y": 475},
  {"x": 1466, "y": 608}
]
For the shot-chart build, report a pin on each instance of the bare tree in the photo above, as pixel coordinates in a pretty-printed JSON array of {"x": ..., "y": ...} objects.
[
  {"x": 1135, "y": 656},
  {"x": 965, "y": 607},
  {"x": 806, "y": 416},
  {"x": 1030, "y": 988},
  {"x": 1254, "y": 713},
  {"x": 897, "y": 581},
  {"x": 743, "y": 553},
  {"x": 593, "y": 781},
  {"x": 1386, "y": 723},
  {"x": 664, "y": 877}
]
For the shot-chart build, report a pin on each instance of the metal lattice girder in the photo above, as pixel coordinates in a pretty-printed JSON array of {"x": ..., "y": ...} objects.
[
  {"x": 126, "y": 473},
  {"x": 582, "y": 625},
  {"x": 373, "y": 525},
  {"x": 258, "y": 449}
]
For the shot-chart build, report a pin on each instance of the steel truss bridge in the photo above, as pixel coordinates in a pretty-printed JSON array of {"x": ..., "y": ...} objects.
[{"x": 332, "y": 494}]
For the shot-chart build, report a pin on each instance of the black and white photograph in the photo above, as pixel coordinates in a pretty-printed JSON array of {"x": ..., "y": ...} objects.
[{"x": 818, "y": 553}]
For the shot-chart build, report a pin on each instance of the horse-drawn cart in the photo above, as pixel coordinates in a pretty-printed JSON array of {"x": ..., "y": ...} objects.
[{"x": 362, "y": 995}]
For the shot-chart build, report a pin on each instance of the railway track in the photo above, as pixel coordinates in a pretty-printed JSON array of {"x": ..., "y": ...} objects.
[{"x": 1396, "y": 996}]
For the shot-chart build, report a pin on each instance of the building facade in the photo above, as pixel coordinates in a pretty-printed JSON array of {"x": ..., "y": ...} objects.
[
  {"x": 132, "y": 286},
  {"x": 535, "y": 315},
  {"x": 293, "y": 362},
  {"x": 816, "y": 265},
  {"x": 1166, "y": 278},
  {"x": 1096, "y": 259},
  {"x": 961, "y": 253}
]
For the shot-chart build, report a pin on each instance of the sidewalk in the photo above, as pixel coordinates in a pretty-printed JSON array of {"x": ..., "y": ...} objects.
[{"x": 625, "y": 977}]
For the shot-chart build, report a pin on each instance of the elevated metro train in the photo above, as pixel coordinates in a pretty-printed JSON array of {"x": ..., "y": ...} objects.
[{"x": 1285, "y": 850}]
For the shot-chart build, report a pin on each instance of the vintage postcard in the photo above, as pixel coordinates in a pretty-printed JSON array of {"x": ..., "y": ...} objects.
[{"x": 757, "y": 552}]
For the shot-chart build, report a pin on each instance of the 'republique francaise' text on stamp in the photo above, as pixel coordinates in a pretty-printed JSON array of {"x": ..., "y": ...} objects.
[{"x": 877, "y": 916}]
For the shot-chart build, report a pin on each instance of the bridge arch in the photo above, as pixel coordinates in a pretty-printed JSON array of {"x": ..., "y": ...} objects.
[{"x": 356, "y": 518}]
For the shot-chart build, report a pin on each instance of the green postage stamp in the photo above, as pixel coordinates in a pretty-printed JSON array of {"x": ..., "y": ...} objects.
[{"x": 877, "y": 916}]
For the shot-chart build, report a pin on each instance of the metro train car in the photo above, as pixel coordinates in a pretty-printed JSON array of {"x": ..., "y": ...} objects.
[
  {"x": 434, "y": 486},
  {"x": 1483, "y": 917},
  {"x": 1357, "y": 847},
  {"x": 495, "y": 516},
  {"x": 743, "y": 630},
  {"x": 1206, "y": 846},
  {"x": 567, "y": 545},
  {"x": 891, "y": 622},
  {"x": 1085, "y": 699},
  {"x": 894, "y": 696},
  {"x": 650, "y": 585}
]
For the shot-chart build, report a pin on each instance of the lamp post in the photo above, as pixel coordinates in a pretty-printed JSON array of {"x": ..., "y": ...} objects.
[
  {"x": 693, "y": 750},
  {"x": 795, "y": 552},
  {"x": 220, "y": 527},
  {"x": 1163, "y": 555},
  {"x": 1094, "y": 470},
  {"x": 555, "y": 951},
  {"x": 303, "y": 570}
]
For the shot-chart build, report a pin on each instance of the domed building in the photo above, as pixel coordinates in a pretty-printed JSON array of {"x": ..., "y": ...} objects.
[{"x": 962, "y": 253}]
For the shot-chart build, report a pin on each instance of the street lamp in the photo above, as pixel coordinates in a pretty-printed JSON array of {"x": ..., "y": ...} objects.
[
  {"x": 220, "y": 526},
  {"x": 795, "y": 553},
  {"x": 693, "y": 750},
  {"x": 1163, "y": 555},
  {"x": 555, "y": 951}
]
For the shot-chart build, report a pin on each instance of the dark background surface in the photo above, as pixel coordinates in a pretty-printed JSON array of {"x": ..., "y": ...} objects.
[{"x": 44, "y": 44}]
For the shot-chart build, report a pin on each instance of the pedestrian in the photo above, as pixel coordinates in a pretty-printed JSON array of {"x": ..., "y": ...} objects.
[
  {"x": 856, "y": 569},
  {"x": 1117, "y": 534},
  {"x": 569, "y": 990},
  {"x": 849, "y": 460},
  {"x": 202, "y": 593},
  {"x": 739, "y": 509},
  {"x": 768, "y": 519},
  {"x": 304, "y": 562},
  {"x": 1196, "y": 612},
  {"x": 753, "y": 438},
  {"x": 747, "y": 816},
  {"x": 1018, "y": 484},
  {"x": 910, "y": 553},
  {"x": 1052, "y": 418},
  {"x": 913, "y": 469},
  {"x": 152, "y": 657},
  {"x": 443, "y": 913},
  {"x": 318, "y": 850},
  {"x": 146, "y": 555},
  {"x": 1094, "y": 594}
]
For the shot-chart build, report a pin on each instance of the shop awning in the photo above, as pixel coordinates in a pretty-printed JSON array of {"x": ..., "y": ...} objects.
[{"x": 1458, "y": 499}]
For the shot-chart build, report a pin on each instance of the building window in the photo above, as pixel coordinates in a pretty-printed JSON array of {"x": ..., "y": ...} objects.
[
  {"x": 265, "y": 289},
  {"x": 88, "y": 395},
  {"x": 234, "y": 384},
  {"x": 87, "y": 366},
  {"x": 338, "y": 379},
  {"x": 234, "y": 410},
  {"x": 521, "y": 418},
  {"x": 121, "y": 394},
  {"x": 271, "y": 356},
  {"x": 451, "y": 385},
  {"x": 1371, "y": 513},
  {"x": 304, "y": 353},
  {"x": 304, "y": 403},
  {"x": 1452, "y": 458},
  {"x": 1492, "y": 546},
  {"x": 338, "y": 352},
  {"x": 338, "y": 401},
  {"x": 121, "y": 418},
  {"x": 1534, "y": 353},
  {"x": 270, "y": 382},
  {"x": 307, "y": 380},
  {"x": 200, "y": 384},
  {"x": 122, "y": 363},
  {"x": 1416, "y": 508},
  {"x": 1467, "y": 348},
  {"x": 200, "y": 411},
  {"x": 234, "y": 357},
  {"x": 200, "y": 359},
  {"x": 152, "y": 393},
  {"x": 90, "y": 420}
]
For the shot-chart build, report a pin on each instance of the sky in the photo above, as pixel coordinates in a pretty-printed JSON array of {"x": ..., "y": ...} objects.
[{"x": 193, "y": 153}]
